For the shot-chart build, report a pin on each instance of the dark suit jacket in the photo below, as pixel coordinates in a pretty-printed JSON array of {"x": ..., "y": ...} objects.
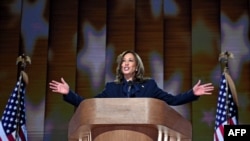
[{"x": 145, "y": 89}]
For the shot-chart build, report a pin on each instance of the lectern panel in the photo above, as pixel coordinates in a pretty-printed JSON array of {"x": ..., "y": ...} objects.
[{"x": 140, "y": 119}]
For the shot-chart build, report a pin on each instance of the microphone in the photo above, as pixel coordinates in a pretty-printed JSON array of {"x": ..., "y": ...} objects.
[{"x": 130, "y": 83}]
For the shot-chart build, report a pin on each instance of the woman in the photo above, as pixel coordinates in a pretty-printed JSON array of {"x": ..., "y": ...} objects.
[{"x": 130, "y": 82}]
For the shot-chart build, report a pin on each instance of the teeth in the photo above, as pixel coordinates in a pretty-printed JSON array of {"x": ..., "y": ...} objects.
[{"x": 126, "y": 68}]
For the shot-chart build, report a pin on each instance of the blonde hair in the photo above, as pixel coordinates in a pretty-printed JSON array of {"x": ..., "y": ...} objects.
[{"x": 139, "y": 67}]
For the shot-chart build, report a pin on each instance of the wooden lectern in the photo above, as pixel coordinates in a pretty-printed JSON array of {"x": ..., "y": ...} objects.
[{"x": 127, "y": 119}]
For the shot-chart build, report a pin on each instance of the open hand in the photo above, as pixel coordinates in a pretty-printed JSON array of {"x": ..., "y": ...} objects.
[
  {"x": 203, "y": 89},
  {"x": 59, "y": 87}
]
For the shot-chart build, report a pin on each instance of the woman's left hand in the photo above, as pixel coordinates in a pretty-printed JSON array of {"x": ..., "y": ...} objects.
[{"x": 203, "y": 89}]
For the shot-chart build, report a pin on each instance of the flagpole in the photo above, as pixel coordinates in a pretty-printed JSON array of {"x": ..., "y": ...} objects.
[
  {"x": 224, "y": 60},
  {"x": 227, "y": 107},
  {"x": 18, "y": 110},
  {"x": 21, "y": 61},
  {"x": 225, "y": 70}
]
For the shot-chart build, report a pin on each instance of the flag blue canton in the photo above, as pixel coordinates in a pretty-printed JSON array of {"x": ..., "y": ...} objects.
[{"x": 13, "y": 119}]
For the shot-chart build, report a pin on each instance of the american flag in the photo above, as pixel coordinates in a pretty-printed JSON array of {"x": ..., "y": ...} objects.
[
  {"x": 227, "y": 110},
  {"x": 12, "y": 125}
]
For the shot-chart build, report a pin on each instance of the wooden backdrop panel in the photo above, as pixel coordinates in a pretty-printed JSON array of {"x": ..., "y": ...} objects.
[
  {"x": 235, "y": 38},
  {"x": 149, "y": 35},
  {"x": 91, "y": 47},
  {"x": 205, "y": 53},
  {"x": 120, "y": 32},
  {"x": 177, "y": 52},
  {"x": 9, "y": 50},
  {"x": 61, "y": 63}
]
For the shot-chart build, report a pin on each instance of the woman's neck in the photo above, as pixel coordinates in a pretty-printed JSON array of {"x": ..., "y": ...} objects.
[{"x": 128, "y": 78}]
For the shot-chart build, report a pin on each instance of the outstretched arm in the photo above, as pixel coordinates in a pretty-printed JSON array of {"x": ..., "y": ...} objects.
[
  {"x": 59, "y": 87},
  {"x": 203, "y": 89}
]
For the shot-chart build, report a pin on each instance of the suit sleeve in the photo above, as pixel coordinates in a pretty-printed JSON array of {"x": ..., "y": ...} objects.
[
  {"x": 73, "y": 98},
  {"x": 171, "y": 99}
]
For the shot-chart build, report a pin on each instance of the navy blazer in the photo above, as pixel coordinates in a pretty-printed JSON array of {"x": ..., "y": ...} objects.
[{"x": 146, "y": 89}]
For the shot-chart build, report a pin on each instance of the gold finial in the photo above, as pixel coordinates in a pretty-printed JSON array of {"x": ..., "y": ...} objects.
[
  {"x": 223, "y": 58},
  {"x": 23, "y": 60}
]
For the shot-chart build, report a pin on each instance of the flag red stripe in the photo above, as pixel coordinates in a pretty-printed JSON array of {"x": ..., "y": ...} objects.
[
  {"x": 221, "y": 128},
  {"x": 21, "y": 134},
  {"x": 216, "y": 137},
  {"x": 10, "y": 137}
]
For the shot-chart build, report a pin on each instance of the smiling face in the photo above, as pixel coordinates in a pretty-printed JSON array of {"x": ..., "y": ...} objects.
[{"x": 128, "y": 66}]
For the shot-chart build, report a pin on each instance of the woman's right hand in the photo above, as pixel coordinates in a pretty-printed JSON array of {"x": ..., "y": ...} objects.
[{"x": 59, "y": 87}]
